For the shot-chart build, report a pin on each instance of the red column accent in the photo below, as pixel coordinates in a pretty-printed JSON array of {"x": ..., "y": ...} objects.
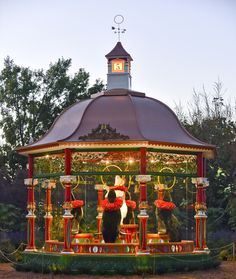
[
  {"x": 143, "y": 162},
  {"x": 31, "y": 243},
  {"x": 204, "y": 245},
  {"x": 200, "y": 195},
  {"x": 48, "y": 197},
  {"x": 143, "y": 166},
  {"x": 197, "y": 233},
  {"x": 200, "y": 165},
  {"x": 68, "y": 161},
  {"x": 67, "y": 172},
  {"x": 100, "y": 197},
  {"x": 143, "y": 234},
  {"x": 67, "y": 193},
  {"x": 48, "y": 222}
]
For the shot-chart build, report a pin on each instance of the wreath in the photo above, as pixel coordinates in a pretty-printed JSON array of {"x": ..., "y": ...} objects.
[
  {"x": 77, "y": 203},
  {"x": 119, "y": 188},
  {"x": 160, "y": 204},
  {"x": 112, "y": 206}
]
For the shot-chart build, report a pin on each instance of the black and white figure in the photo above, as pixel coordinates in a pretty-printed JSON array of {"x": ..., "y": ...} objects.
[{"x": 111, "y": 217}]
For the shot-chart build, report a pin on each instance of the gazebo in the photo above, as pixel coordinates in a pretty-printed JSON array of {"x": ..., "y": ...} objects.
[{"x": 118, "y": 133}]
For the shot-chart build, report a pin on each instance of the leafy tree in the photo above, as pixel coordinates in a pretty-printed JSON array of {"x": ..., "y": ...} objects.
[
  {"x": 210, "y": 119},
  {"x": 30, "y": 100},
  {"x": 11, "y": 218}
]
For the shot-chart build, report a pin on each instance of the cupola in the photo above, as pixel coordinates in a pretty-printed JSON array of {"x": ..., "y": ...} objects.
[{"x": 119, "y": 66}]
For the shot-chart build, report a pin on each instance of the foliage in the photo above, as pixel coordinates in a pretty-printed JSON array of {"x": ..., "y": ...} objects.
[
  {"x": 11, "y": 218},
  {"x": 211, "y": 120},
  {"x": 30, "y": 100}
]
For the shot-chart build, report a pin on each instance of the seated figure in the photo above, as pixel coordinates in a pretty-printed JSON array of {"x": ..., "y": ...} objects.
[{"x": 111, "y": 217}]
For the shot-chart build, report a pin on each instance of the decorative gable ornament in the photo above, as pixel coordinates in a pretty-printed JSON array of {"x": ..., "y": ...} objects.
[{"x": 104, "y": 132}]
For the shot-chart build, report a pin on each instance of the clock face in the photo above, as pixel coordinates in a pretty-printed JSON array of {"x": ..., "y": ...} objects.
[{"x": 118, "y": 66}]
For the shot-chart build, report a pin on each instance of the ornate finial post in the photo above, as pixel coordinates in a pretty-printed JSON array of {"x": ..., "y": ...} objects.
[
  {"x": 143, "y": 178},
  {"x": 48, "y": 185},
  {"x": 118, "y": 19},
  {"x": 67, "y": 180},
  {"x": 31, "y": 183},
  {"x": 200, "y": 206}
]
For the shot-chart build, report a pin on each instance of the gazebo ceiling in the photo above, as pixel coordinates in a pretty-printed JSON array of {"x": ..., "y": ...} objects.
[{"x": 118, "y": 115}]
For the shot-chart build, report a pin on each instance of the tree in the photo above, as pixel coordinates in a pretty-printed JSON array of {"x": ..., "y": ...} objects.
[
  {"x": 30, "y": 100},
  {"x": 211, "y": 120}
]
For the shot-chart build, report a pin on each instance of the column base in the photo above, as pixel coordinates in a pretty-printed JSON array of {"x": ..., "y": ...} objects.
[
  {"x": 67, "y": 251},
  {"x": 201, "y": 250},
  {"x": 30, "y": 249},
  {"x": 143, "y": 253}
]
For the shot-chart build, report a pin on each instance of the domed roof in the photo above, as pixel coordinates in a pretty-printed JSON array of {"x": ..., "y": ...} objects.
[{"x": 119, "y": 115}]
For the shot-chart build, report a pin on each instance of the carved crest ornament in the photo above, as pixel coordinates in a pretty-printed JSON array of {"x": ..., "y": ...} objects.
[{"x": 104, "y": 132}]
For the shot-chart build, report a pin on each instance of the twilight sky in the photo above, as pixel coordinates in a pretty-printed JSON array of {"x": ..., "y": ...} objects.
[{"x": 176, "y": 44}]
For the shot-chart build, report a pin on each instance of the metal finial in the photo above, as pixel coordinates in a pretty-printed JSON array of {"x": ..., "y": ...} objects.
[{"x": 118, "y": 19}]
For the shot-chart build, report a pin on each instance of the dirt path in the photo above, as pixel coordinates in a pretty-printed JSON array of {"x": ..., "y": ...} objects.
[{"x": 227, "y": 270}]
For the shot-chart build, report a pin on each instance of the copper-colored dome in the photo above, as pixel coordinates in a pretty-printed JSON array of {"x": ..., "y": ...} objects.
[{"x": 130, "y": 116}]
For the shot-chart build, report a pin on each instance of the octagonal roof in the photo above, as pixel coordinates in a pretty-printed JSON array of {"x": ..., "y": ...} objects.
[{"x": 119, "y": 115}]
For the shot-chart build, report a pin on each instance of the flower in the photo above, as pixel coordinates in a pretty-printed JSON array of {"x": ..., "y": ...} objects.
[
  {"x": 77, "y": 203},
  {"x": 112, "y": 206},
  {"x": 131, "y": 204},
  {"x": 164, "y": 205}
]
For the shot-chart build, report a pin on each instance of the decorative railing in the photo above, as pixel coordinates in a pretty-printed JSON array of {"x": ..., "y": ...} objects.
[
  {"x": 122, "y": 248},
  {"x": 102, "y": 248},
  {"x": 171, "y": 247}
]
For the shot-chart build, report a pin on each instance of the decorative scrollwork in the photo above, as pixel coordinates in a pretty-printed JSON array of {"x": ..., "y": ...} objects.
[
  {"x": 168, "y": 158},
  {"x": 107, "y": 168},
  {"x": 88, "y": 156},
  {"x": 49, "y": 164},
  {"x": 104, "y": 132},
  {"x": 174, "y": 178}
]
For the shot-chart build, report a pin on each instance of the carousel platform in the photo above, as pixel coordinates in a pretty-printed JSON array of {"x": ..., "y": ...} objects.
[{"x": 117, "y": 258}]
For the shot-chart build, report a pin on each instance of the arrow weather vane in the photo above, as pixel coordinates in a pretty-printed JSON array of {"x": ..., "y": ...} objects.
[{"x": 118, "y": 19}]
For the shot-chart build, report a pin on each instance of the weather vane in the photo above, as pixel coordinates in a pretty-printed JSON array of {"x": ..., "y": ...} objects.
[{"x": 118, "y": 19}]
